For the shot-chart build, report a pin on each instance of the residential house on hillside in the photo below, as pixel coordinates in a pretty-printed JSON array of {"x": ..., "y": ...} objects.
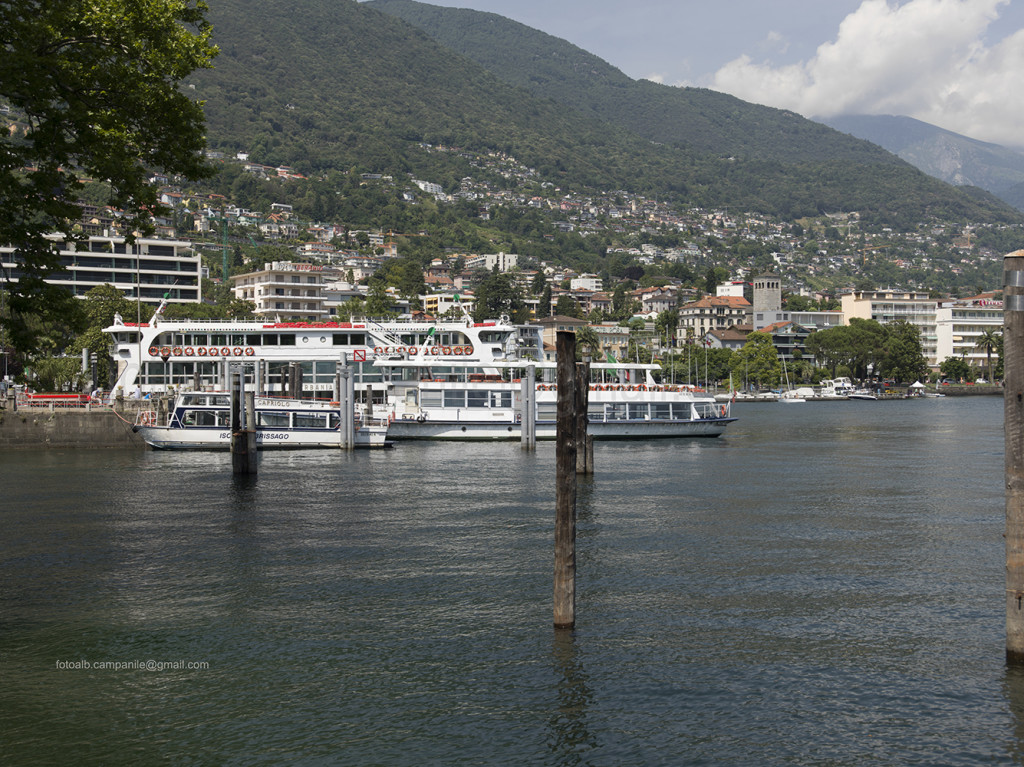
[
  {"x": 712, "y": 313},
  {"x": 729, "y": 338},
  {"x": 789, "y": 339},
  {"x": 550, "y": 326}
]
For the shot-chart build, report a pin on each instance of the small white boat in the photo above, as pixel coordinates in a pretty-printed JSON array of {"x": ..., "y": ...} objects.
[
  {"x": 200, "y": 421},
  {"x": 861, "y": 394}
]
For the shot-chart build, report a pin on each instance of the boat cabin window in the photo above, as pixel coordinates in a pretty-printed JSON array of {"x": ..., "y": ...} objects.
[
  {"x": 209, "y": 418},
  {"x": 272, "y": 419},
  {"x": 431, "y": 398},
  {"x": 310, "y": 421},
  {"x": 681, "y": 410},
  {"x": 501, "y": 399},
  {"x": 638, "y": 412},
  {"x": 476, "y": 398},
  {"x": 661, "y": 410}
]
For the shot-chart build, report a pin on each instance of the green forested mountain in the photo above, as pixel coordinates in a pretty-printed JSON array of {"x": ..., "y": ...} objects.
[{"x": 335, "y": 85}]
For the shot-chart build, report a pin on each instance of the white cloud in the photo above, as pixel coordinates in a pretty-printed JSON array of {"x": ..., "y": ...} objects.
[{"x": 924, "y": 58}]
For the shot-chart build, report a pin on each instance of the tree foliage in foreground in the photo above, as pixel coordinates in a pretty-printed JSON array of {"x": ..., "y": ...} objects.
[{"x": 93, "y": 89}]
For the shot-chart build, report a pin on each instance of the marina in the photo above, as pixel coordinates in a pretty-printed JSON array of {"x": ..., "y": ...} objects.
[{"x": 819, "y": 585}]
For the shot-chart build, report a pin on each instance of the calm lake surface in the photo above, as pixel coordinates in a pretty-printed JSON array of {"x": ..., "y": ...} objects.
[{"x": 821, "y": 586}]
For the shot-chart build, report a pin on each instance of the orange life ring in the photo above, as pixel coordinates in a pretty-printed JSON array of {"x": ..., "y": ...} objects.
[
  {"x": 201, "y": 351},
  {"x": 435, "y": 349},
  {"x": 249, "y": 351},
  {"x": 378, "y": 350},
  {"x": 457, "y": 351},
  {"x": 165, "y": 351},
  {"x": 446, "y": 350},
  {"x": 400, "y": 350},
  {"x": 237, "y": 351},
  {"x": 642, "y": 387},
  {"x": 154, "y": 351},
  {"x": 147, "y": 417},
  {"x": 467, "y": 350},
  {"x": 176, "y": 351},
  {"x": 189, "y": 351},
  {"x": 225, "y": 351},
  {"x": 723, "y": 411},
  {"x": 412, "y": 351}
]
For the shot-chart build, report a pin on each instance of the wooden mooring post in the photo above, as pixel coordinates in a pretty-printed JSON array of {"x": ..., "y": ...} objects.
[
  {"x": 1013, "y": 434},
  {"x": 565, "y": 482},
  {"x": 243, "y": 426},
  {"x": 528, "y": 409},
  {"x": 584, "y": 442}
]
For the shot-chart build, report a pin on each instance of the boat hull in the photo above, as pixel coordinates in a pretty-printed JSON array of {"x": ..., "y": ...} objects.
[
  {"x": 411, "y": 429},
  {"x": 171, "y": 438}
]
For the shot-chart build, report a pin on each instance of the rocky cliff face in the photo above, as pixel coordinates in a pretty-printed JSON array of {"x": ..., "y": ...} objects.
[{"x": 940, "y": 153}]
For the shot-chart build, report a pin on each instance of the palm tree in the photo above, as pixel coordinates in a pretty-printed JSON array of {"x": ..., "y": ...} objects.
[{"x": 988, "y": 340}]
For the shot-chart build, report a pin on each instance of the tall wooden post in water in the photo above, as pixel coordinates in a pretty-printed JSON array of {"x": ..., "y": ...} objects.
[
  {"x": 528, "y": 409},
  {"x": 243, "y": 428},
  {"x": 1013, "y": 428},
  {"x": 584, "y": 442},
  {"x": 565, "y": 482}
]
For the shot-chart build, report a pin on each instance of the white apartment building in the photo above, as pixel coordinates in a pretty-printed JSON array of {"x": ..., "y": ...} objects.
[
  {"x": 286, "y": 291},
  {"x": 885, "y": 306},
  {"x": 589, "y": 282},
  {"x": 149, "y": 269},
  {"x": 959, "y": 325}
]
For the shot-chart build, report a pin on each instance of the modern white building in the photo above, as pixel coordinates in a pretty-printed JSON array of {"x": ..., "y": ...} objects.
[
  {"x": 886, "y": 306},
  {"x": 589, "y": 282},
  {"x": 286, "y": 291},
  {"x": 148, "y": 269},
  {"x": 960, "y": 324}
]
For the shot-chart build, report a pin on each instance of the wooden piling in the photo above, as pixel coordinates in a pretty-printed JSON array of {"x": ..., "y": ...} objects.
[
  {"x": 528, "y": 409},
  {"x": 584, "y": 443},
  {"x": 565, "y": 483},
  {"x": 1013, "y": 434},
  {"x": 243, "y": 431}
]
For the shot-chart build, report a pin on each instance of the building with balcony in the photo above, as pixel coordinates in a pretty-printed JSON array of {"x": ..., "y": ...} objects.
[
  {"x": 959, "y": 326},
  {"x": 286, "y": 291},
  {"x": 700, "y": 317},
  {"x": 887, "y": 306},
  {"x": 148, "y": 269}
]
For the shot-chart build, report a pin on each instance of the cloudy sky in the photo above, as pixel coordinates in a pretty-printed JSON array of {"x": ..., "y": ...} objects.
[{"x": 958, "y": 64}]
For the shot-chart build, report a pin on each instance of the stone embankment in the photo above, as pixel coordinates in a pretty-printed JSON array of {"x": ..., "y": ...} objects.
[{"x": 87, "y": 426}]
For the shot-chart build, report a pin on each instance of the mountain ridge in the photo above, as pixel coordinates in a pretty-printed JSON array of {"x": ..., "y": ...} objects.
[{"x": 334, "y": 86}]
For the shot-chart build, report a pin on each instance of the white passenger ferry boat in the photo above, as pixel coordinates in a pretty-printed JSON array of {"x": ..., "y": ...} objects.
[
  {"x": 454, "y": 379},
  {"x": 201, "y": 421}
]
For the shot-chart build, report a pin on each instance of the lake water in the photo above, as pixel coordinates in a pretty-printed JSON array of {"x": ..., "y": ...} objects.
[{"x": 821, "y": 586}]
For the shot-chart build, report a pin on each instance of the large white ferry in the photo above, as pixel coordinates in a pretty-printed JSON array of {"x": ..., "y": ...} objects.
[{"x": 450, "y": 379}]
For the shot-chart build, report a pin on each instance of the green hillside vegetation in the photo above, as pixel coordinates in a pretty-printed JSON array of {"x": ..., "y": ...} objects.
[
  {"x": 331, "y": 88},
  {"x": 765, "y": 159}
]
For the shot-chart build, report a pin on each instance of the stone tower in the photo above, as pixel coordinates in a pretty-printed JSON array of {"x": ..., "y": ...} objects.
[{"x": 767, "y": 293}]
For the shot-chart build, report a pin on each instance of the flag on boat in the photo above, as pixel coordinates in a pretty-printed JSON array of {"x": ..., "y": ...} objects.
[{"x": 611, "y": 358}]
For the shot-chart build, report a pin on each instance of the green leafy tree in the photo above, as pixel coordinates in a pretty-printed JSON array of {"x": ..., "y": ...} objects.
[
  {"x": 56, "y": 373},
  {"x": 902, "y": 357},
  {"x": 586, "y": 335},
  {"x": 97, "y": 88},
  {"x": 99, "y": 307},
  {"x": 757, "y": 362},
  {"x": 566, "y": 306},
  {"x": 498, "y": 295},
  {"x": 955, "y": 368}
]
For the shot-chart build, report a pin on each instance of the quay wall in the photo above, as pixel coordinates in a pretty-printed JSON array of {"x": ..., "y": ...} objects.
[{"x": 33, "y": 428}]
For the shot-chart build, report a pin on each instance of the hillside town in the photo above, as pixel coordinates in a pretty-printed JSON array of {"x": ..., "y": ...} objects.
[{"x": 746, "y": 273}]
